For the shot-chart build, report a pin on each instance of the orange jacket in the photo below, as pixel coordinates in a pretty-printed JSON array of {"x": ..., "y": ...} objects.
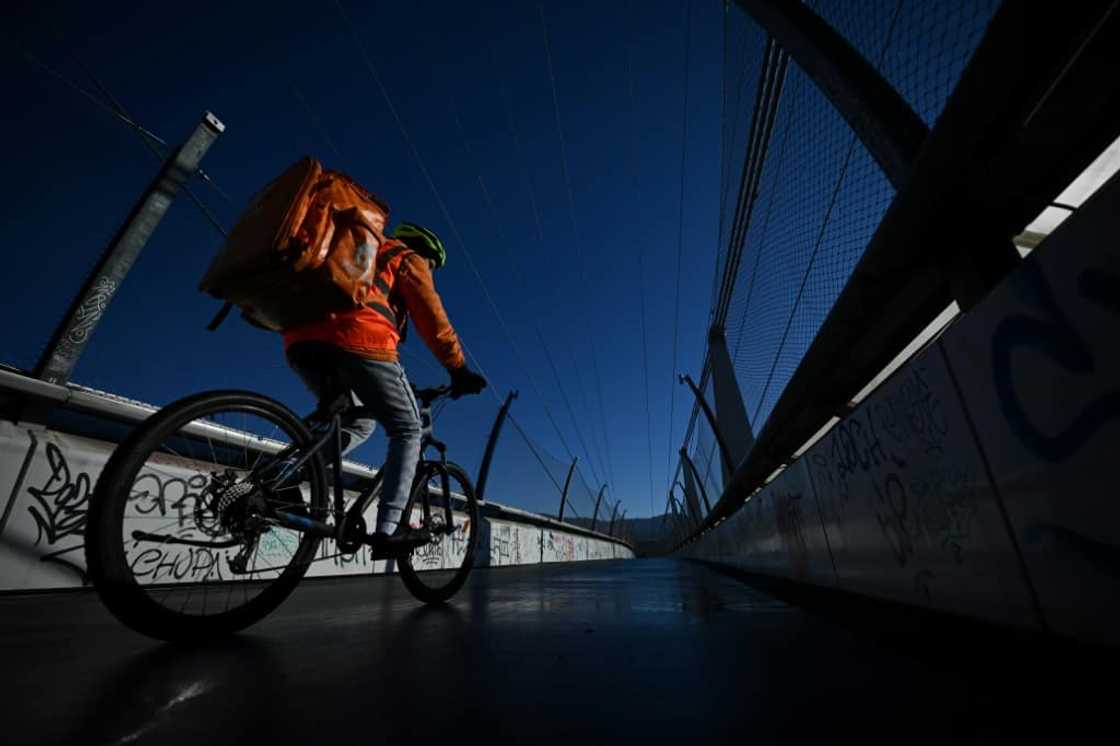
[{"x": 403, "y": 287}]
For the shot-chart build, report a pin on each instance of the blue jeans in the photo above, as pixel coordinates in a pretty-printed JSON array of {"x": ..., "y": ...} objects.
[{"x": 382, "y": 390}]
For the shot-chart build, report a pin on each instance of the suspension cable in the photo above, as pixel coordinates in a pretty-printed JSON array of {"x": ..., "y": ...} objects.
[
  {"x": 533, "y": 450},
  {"x": 316, "y": 122},
  {"x": 153, "y": 142},
  {"x": 531, "y": 191},
  {"x": 680, "y": 235},
  {"x": 632, "y": 96},
  {"x": 523, "y": 281},
  {"x": 570, "y": 195},
  {"x": 414, "y": 151}
]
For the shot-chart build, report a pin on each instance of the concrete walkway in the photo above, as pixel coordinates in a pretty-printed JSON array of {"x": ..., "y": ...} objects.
[{"x": 647, "y": 651}]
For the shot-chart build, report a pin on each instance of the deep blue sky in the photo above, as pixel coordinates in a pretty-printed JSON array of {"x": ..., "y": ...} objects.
[{"x": 464, "y": 77}]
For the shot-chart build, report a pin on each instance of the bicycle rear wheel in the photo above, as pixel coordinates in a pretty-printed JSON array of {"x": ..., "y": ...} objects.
[
  {"x": 182, "y": 539},
  {"x": 436, "y": 571}
]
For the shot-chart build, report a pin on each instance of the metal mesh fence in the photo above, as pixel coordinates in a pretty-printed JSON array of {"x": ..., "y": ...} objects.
[
  {"x": 581, "y": 499},
  {"x": 744, "y": 47},
  {"x": 703, "y": 450},
  {"x": 820, "y": 198},
  {"x": 790, "y": 243},
  {"x": 707, "y": 460},
  {"x": 524, "y": 475},
  {"x": 689, "y": 496},
  {"x": 930, "y": 42}
]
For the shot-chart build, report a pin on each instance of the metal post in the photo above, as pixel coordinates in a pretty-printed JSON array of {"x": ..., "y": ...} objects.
[
  {"x": 682, "y": 519},
  {"x": 730, "y": 457},
  {"x": 621, "y": 520},
  {"x": 599, "y": 499},
  {"x": 73, "y": 333},
  {"x": 691, "y": 502},
  {"x": 491, "y": 444},
  {"x": 610, "y": 528},
  {"x": 680, "y": 524},
  {"x": 731, "y": 413},
  {"x": 694, "y": 473},
  {"x": 567, "y": 483}
]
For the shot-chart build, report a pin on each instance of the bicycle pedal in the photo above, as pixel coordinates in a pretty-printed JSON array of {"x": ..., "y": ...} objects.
[{"x": 391, "y": 547}]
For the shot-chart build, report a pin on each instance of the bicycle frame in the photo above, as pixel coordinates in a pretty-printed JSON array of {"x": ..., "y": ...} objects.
[{"x": 340, "y": 513}]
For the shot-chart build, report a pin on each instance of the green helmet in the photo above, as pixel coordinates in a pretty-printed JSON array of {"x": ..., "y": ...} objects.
[{"x": 422, "y": 241}]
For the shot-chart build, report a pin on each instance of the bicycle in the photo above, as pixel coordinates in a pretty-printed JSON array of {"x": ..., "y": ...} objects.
[{"x": 250, "y": 490}]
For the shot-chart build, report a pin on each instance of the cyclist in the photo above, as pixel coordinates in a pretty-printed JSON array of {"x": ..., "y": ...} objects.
[{"x": 357, "y": 352}]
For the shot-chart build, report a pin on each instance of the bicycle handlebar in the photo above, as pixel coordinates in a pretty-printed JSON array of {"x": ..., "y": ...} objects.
[{"x": 429, "y": 395}]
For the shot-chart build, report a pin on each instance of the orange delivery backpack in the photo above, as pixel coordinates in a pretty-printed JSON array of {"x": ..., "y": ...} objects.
[{"x": 305, "y": 247}]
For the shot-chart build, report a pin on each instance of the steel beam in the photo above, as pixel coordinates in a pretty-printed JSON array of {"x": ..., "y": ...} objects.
[
  {"x": 567, "y": 483},
  {"x": 491, "y": 444},
  {"x": 890, "y": 129},
  {"x": 72, "y": 335},
  {"x": 692, "y": 475},
  {"x": 726, "y": 454},
  {"x": 598, "y": 500}
]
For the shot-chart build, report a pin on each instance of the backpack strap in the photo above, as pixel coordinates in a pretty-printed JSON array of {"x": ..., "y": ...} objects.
[{"x": 220, "y": 316}]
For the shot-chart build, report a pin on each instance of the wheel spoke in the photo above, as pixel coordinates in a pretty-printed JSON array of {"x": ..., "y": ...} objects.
[{"x": 184, "y": 477}]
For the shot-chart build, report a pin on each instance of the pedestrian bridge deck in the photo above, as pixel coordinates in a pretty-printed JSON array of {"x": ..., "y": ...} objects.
[{"x": 652, "y": 651}]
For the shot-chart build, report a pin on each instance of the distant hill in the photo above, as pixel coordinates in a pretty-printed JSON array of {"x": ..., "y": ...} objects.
[{"x": 643, "y": 533}]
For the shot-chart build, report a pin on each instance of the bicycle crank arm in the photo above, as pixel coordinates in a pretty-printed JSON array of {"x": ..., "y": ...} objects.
[{"x": 162, "y": 539}]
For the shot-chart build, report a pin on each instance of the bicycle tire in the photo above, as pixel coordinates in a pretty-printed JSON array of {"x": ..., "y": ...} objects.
[
  {"x": 420, "y": 582},
  {"x": 106, "y": 560}
]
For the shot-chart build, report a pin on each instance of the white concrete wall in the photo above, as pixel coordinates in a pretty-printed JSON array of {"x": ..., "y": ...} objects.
[
  {"x": 982, "y": 478},
  {"x": 46, "y": 482}
]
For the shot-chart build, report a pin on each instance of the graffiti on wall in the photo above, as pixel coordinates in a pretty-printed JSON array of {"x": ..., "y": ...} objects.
[
  {"x": 789, "y": 516},
  {"x": 1050, "y": 332},
  {"x": 49, "y": 480},
  {"x": 891, "y": 459},
  {"x": 559, "y": 547},
  {"x": 58, "y": 507}
]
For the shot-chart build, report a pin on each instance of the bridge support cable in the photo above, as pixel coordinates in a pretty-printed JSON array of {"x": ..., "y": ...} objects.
[
  {"x": 423, "y": 360},
  {"x": 680, "y": 233},
  {"x": 764, "y": 229},
  {"x": 533, "y": 449},
  {"x": 580, "y": 261},
  {"x": 730, "y": 137},
  {"x": 636, "y": 185},
  {"x": 508, "y": 105},
  {"x": 316, "y": 122},
  {"x": 768, "y": 97},
  {"x": 418, "y": 158},
  {"x": 156, "y": 145},
  {"x": 586, "y": 404},
  {"x": 522, "y": 278}
]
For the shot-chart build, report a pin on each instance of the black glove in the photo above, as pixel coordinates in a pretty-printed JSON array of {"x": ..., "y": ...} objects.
[{"x": 465, "y": 381}]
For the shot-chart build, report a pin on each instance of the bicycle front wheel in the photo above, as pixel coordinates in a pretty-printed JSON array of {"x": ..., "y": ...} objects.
[
  {"x": 182, "y": 539},
  {"x": 436, "y": 571}
]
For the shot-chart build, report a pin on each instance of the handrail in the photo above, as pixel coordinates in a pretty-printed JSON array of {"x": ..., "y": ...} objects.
[{"x": 100, "y": 403}]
